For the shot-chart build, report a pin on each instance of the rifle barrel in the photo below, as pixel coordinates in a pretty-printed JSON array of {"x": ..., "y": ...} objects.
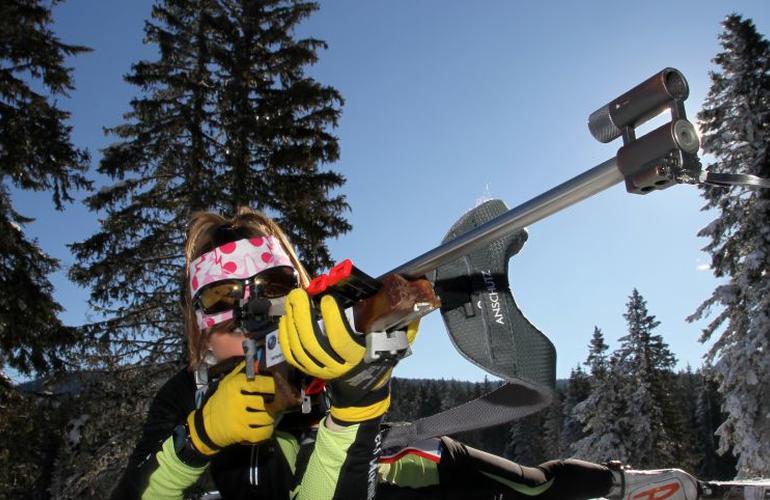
[{"x": 580, "y": 187}]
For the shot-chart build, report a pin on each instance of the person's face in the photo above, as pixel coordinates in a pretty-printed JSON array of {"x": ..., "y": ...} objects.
[
  {"x": 223, "y": 279},
  {"x": 226, "y": 344}
]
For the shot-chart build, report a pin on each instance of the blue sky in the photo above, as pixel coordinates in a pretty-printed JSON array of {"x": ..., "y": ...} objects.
[{"x": 449, "y": 102}]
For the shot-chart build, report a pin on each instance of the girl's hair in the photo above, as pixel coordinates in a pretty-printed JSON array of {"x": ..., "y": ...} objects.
[{"x": 208, "y": 231}]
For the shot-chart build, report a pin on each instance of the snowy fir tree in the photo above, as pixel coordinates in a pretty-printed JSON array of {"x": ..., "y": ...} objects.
[
  {"x": 597, "y": 361},
  {"x": 646, "y": 364},
  {"x": 37, "y": 154},
  {"x": 684, "y": 388},
  {"x": 577, "y": 390},
  {"x": 708, "y": 416},
  {"x": 227, "y": 118},
  {"x": 735, "y": 125},
  {"x": 553, "y": 428},
  {"x": 526, "y": 444},
  {"x": 27, "y": 437},
  {"x": 602, "y": 414}
]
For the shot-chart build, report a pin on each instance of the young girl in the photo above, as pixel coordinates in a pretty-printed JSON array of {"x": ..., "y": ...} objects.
[
  {"x": 251, "y": 434},
  {"x": 212, "y": 417}
]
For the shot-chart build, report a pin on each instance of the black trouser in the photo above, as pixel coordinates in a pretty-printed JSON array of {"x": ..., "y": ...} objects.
[{"x": 466, "y": 472}]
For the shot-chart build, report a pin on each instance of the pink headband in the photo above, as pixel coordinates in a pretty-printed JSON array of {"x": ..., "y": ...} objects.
[{"x": 240, "y": 259}]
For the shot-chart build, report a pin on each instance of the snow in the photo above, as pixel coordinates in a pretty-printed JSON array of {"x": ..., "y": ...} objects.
[{"x": 73, "y": 430}]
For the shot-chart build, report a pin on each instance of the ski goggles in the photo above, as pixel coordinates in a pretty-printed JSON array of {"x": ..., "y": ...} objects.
[
  {"x": 238, "y": 267},
  {"x": 226, "y": 295}
]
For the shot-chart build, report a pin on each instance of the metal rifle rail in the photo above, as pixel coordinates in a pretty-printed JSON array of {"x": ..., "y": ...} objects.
[
  {"x": 655, "y": 161},
  {"x": 579, "y": 188}
]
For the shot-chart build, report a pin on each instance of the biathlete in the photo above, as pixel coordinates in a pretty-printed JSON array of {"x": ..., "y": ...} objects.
[{"x": 256, "y": 443}]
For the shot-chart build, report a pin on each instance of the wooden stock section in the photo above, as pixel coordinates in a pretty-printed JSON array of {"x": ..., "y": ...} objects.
[
  {"x": 397, "y": 301},
  {"x": 287, "y": 396}
]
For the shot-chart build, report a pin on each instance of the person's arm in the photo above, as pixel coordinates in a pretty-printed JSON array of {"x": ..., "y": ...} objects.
[
  {"x": 178, "y": 440},
  {"x": 173, "y": 474},
  {"x": 343, "y": 463},
  {"x": 460, "y": 471},
  {"x": 415, "y": 466}
]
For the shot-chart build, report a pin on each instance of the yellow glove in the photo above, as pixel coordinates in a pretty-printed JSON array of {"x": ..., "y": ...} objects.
[
  {"x": 235, "y": 413},
  {"x": 359, "y": 391}
]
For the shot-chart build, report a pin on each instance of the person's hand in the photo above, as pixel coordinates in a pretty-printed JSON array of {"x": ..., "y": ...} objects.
[
  {"x": 335, "y": 353},
  {"x": 235, "y": 413}
]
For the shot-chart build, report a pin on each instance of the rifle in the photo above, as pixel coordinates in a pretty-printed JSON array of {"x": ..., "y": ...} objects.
[{"x": 469, "y": 269}]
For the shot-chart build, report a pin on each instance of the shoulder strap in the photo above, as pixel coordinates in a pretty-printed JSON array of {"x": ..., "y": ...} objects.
[
  {"x": 509, "y": 402},
  {"x": 487, "y": 328}
]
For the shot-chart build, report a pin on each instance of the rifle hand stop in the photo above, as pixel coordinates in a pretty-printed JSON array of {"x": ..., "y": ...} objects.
[{"x": 386, "y": 345}]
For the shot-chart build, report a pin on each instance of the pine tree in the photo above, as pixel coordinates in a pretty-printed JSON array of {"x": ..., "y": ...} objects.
[
  {"x": 577, "y": 390},
  {"x": 275, "y": 121},
  {"x": 164, "y": 166},
  {"x": 430, "y": 402},
  {"x": 704, "y": 430},
  {"x": 682, "y": 423},
  {"x": 647, "y": 362},
  {"x": 553, "y": 445},
  {"x": 407, "y": 399},
  {"x": 707, "y": 419},
  {"x": 227, "y": 118},
  {"x": 36, "y": 153},
  {"x": 601, "y": 413},
  {"x": 525, "y": 440},
  {"x": 29, "y": 431},
  {"x": 597, "y": 358},
  {"x": 735, "y": 122}
]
